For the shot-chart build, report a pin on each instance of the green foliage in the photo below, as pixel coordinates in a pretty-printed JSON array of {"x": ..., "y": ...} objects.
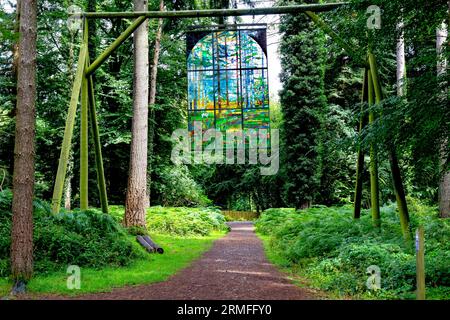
[
  {"x": 303, "y": 102},
  {"x": 177, "y": 188},
  {"x": 84, "y": 238},
  {"x": 178, "y": 254},
  {"x": 180, "y": 221},
  {"x": 185, "y": 221},
  {"x": 334, "y": 250}
]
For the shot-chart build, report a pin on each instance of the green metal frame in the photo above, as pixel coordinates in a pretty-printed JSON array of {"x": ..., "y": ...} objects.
[{"x": 83, "y": 83}]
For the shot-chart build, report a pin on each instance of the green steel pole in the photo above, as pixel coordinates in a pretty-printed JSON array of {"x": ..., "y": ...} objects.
[
  {"x": 395, "y": 169},
  {"x": 360, "y": 161},
  {"x": 68, "y": 131},
  {"x": 217, "y": 12},
  {"x": 374, "y": 187},
  {"x": 97, "y": 145},
  {"x": 327, "y": 29},
  {"x": 84, "y": 129}
]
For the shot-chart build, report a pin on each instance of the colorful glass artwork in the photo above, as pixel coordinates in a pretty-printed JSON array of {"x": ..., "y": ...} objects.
[{"x": 227, "y": 79}]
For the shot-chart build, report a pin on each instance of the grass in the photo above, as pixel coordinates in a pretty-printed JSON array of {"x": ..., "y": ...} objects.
[{"x": 179, "y": 253}]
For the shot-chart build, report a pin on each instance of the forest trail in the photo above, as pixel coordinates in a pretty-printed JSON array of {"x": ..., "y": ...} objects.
[{"x": 234, "y": 268}]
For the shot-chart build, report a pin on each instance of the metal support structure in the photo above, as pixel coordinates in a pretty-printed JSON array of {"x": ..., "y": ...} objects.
[
  {"x": 327, "y": 29},
  {"x": 68, "y": 132},
  {"x": 97, "y": 145},
  {"x": 84, "y": 130},
  {"x": 124, "y": 36},
  {"x": 374, "y": 186},
  {"x": 217, "y": 12},
  {"x": 84, "y": 83},
  {"x": 360, "y": 158},
  {"x": 395, "y": 169}
]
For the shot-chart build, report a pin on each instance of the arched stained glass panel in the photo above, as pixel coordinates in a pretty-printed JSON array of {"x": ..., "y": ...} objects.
[{"x": 227, "y": 79}]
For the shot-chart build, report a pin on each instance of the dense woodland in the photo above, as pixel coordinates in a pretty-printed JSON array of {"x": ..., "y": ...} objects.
[
  {"x": 319, "y": 109},
  {"x": 326, "y": 104}
]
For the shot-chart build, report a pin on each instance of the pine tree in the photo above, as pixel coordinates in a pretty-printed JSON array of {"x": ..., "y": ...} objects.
[
  {"x": 137, "y": 180},
  {"x": 302, "y": 101},
  {"x": 24, "y": 150}
]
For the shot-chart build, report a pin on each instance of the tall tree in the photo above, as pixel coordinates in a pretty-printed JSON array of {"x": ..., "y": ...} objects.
[
  {"x": 444, "y": 185},
  {"x": 24, "y": 150},
  {"x": 137, "y": 179},
  {"x": 302, "y": 102},
  {"x": 401, "y": 61},
  {"x": 152, "y": 98}
]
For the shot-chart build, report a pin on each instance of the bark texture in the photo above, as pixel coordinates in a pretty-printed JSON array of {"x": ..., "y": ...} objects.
[
  {"x": 444, "y": 185},
  {"x": 401, "y": 62},
  {"x": 24, "y": 149},
  {"x": 152, "y": 100},
  {"x": 137, "y": 179}
]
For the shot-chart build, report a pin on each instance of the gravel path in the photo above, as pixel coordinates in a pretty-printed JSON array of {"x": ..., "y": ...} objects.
[{"x": 234, "y": 268}]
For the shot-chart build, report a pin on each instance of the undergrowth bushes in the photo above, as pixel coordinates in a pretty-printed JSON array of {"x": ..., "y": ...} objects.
[
  {"x": 83, "y": 238},
  {"x": 93, "y": 239},
  {"x": 180, "y": 221},
  {"x": 333, "y": 250}
]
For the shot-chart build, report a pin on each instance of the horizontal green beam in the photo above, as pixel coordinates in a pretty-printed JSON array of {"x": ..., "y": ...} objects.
[{"x": 217, "y": 12}]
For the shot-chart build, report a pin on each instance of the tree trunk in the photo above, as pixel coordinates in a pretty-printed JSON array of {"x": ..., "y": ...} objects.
[
  {"x": 152, "y": 99},
  {"x": 401, "y": 62},
  {"x": 444, "y": 185},
  {"x": 68, "y": 183},
  {"x": 15, "y": 62},
  {"x": 396, "y": 175},
  {"x": 15, "y": 48},
  {"x": 24, "y": 150},
  {"x": 137, "y": 179}
]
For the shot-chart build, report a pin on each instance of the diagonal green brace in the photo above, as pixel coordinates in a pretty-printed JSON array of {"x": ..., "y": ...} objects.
[
  {"x": 97, "y": 146},
  {"x": 395, "y": 169},
  {"x": 116, "y": 44},
  {"x": 374, "y": 183},
  {"x": 328, "y": 30},
  {"x": 360, "y": 159},
  {"x": 84, "y": 135},
  {"x": 68, "y": 132}
]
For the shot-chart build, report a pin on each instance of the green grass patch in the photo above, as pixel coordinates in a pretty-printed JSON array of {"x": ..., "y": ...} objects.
[
  {"x": 179, "y": 253},
  {"x": 107, "y": 253}
]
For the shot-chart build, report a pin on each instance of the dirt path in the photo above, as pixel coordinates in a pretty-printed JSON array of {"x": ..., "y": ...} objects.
[{"x": 234, "y": 268}]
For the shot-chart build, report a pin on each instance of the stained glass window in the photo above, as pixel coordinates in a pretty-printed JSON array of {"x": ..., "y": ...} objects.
[{"x": 227, "y": 79}]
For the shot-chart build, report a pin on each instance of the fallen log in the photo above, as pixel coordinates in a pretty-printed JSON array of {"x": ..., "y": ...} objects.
[
  {"x": 156, "y": 247},
  {"x": 145, "y": 244}
]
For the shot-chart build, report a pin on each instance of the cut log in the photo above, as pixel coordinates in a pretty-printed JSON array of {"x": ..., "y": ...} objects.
[
  {"x": 145, "y": 244},
  {"x": 156, "y": 247}
]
